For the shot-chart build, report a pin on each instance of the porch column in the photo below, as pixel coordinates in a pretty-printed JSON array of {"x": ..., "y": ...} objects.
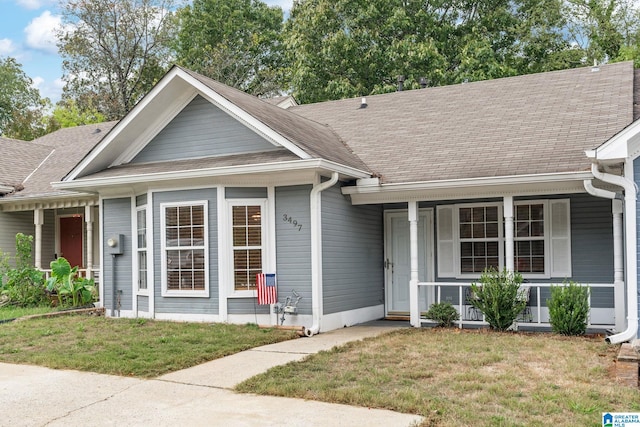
[
  {"x": 508, "y": 232},
  {"x": 38, "y": 220},
  {"x": 618, "y": 266},
  {"x": 88, "y": 219},
  {"x": 414, "y": 304}
]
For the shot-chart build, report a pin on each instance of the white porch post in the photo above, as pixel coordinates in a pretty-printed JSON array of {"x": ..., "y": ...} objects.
[
  {"x": 413, "y": 283},
  {"x": 88, "y": 219},
  {"x": 618, "y": 266},
  {"x": 508, "y": 232},
  {"x": 38, "y": 220}
]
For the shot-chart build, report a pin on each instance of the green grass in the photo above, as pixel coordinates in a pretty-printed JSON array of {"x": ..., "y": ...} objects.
[
  {"x": 456, "y": 378},
  {"x": 127, "y": 347},
  {"x": 10, "y": 312}
]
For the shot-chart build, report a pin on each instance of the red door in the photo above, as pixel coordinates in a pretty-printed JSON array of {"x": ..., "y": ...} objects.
[{"x": 71, "y": 240}]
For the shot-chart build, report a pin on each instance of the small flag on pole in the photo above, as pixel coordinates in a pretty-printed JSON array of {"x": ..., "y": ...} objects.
[{"x": 267, "y": 289}]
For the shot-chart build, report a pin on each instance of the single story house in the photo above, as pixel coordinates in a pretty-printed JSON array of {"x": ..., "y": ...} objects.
[{"x": 364, "y": 208}]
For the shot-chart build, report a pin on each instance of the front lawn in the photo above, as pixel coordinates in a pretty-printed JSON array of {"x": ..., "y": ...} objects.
[
  {"x": 456, "y": 378},
  {"x": 129, "y": 347}
]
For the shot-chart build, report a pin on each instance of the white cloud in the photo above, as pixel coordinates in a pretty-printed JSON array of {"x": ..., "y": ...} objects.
[
  {"x": 284, "y": 4},
  {"x": 6, "y": 47},
  {"x": 48, "y": 89},
  {"x": 33, "y": 4},
  {"x": 37, "y": 82},
  {"x": 40, "y": 33}
]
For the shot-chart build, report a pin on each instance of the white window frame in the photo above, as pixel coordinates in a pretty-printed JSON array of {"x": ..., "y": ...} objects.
[
  {"x": 547, "y": 237},
  {"x": 458, "y": 240},
  {"x": 136, "y": 262},
  {"x": 501, "y": 237},
  {"x": 163, "y": 250},
  {"x": 265, "y": 240}
]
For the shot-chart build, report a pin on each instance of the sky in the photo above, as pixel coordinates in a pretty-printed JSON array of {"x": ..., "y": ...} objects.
[{"x": 27, "y": 33}]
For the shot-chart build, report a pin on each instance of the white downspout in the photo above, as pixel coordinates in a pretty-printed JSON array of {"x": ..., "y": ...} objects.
[
  {"x": 632, "y": 264},
  {"x": 618, "y": 249},
  {"x": 316, "y": 253}
]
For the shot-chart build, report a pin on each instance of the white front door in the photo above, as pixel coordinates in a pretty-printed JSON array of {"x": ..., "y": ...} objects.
[{"x": 398, "y": 260}]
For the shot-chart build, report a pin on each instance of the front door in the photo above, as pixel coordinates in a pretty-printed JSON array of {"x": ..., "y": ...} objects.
[
  {"x": 71, "y": 230},
  {"x": 398, "y": 260}
]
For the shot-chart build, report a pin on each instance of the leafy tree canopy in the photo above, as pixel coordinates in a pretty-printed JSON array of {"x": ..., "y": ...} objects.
[
  {"x": 340, "y": 48},
  {"x": 21, "y": 107},
  {"x": 114, "y": 51},
  {"x": 236, "y": 42}
]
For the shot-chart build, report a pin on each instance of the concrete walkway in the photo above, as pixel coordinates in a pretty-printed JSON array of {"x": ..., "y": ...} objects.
[{"x": 198, "y": 396}]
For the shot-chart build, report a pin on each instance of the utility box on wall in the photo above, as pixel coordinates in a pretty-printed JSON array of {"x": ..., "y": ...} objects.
[{"x": 115, "y": 244}]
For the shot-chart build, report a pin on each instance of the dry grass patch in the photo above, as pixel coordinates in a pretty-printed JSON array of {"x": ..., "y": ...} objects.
[
  {"x": 128, "y": 347},
  {"x": 457, "y": 378}
]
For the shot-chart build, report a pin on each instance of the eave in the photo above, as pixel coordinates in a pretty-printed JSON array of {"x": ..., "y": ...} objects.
[
  {"x": 368, "y": 192},
  {"x": 283, "y": 172}
]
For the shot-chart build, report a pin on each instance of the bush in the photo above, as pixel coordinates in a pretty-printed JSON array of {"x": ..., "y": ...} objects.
[
  {"x": 497, "y": 297},
  {"x": 23, "y": 285},
  {"x": 443, "y": 313},
  {"x": 569, "y": 309}
]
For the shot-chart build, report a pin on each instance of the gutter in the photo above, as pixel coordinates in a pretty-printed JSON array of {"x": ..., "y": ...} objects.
[
  {"x": 316, "y": 254},
  {"x": 630, "y": 191}
]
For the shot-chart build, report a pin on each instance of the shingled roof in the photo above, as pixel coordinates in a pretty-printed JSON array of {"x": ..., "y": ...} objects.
[
  {"x": 532, "y": 124},
  {"x": 53, "y": 156},
  {"x": 19, "y": 159}
]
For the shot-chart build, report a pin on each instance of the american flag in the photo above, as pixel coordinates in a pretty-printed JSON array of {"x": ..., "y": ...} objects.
[{"x": 267, "y": 289}]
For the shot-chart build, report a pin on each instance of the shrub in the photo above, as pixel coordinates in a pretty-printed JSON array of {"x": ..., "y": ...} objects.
[
  {"x": 497, "y": 297},
  {"x": 70, "y": 288},
  {"x": 569, "y": 309},
  {"x": 23, "y": 285},
  {"x": 443, "y": 313}
]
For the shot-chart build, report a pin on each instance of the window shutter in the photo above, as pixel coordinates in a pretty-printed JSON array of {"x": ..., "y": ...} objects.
[
  {"x": 446, "y": 246},
  {"x": 560, "y": 238}
]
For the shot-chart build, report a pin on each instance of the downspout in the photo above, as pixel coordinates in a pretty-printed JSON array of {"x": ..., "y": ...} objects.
[
  {"x": 618, "y": 247},
  {"x": 316, "y": 253},
  {"x": 631, "y": 270}
]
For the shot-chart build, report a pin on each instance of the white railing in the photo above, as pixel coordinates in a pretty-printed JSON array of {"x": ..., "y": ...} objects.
[
  {"x": 83, "y": 272},
  {"x": 533, "y": 315}
]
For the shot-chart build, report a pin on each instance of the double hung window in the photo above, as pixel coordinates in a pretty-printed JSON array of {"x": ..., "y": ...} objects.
[{"x": 184, "y": 252}]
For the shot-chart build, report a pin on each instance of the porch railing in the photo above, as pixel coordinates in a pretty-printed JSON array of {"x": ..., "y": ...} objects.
[
  {"x": 82, "y": 272},
  {"x": 536, "y": 313}
]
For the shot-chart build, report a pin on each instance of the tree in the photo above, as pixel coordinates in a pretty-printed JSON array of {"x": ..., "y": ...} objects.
[
  {"x": 237, "y": 42},
  {"x": 67, "y": 114},
  {"x": 21, "y": 108},
  {"x": 114, "y": 51},
  {"x": 343, "y": 48}
]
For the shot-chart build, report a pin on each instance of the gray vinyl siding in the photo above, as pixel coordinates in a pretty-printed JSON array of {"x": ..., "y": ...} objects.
[
  {"x": 12, "y": 223},
  {"x": 143, "y": 303},
  {"x": 186, "y": 305},
  {"x": 49, "y": 238},
  {"x": 117, "y": 220},
  {"x": 245, "y": 193},
  {"x": 202, "y": 130},
  {"x": 352, "y": 253},
  {"x": 141, "y": 200},
  {"x": 246, "y": 306},
  {"x": 293, "y": 244}
]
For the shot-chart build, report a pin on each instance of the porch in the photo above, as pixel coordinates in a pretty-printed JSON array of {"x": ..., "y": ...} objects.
[{"x": 536, "y": 313}]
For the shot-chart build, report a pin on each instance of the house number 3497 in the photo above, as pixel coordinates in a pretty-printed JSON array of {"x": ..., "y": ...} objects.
[{"x": 290, "y": 220}]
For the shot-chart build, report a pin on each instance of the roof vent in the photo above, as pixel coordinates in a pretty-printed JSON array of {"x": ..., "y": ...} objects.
[
  {"x": 363, "y": 103},
  {"x": 400, "y": 83},
  {"x": 595, "y": 67},
  {"x": 423, "y": 82}
]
